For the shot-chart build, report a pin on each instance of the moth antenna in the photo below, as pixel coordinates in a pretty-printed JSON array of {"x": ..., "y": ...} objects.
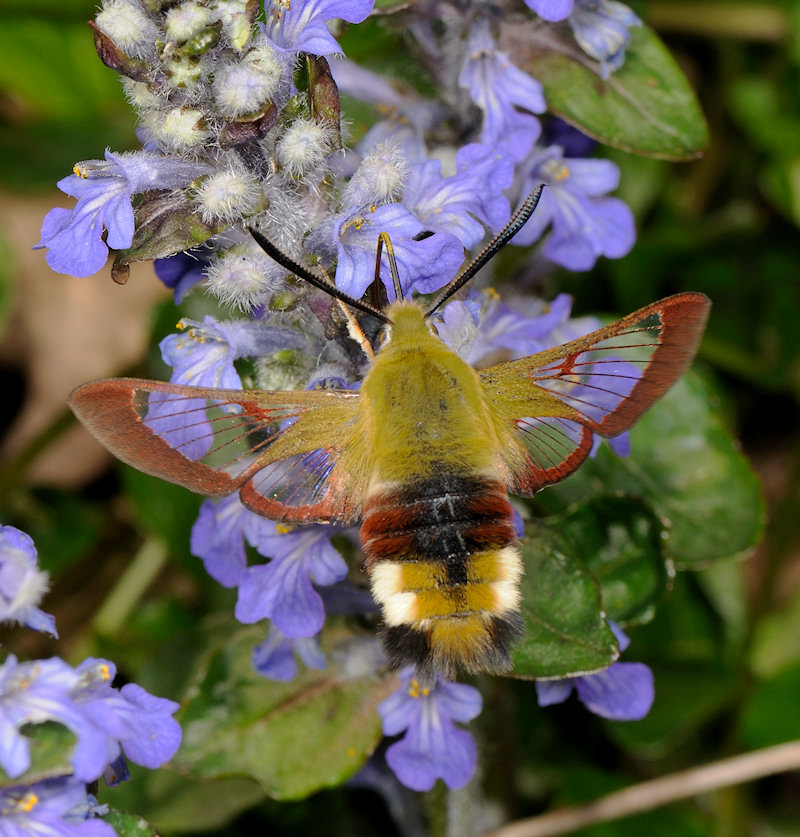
[
  {"x": 518, "y": 220},
  {"x": 328, "y": 287},
  {"x": 383, "y": 239}
]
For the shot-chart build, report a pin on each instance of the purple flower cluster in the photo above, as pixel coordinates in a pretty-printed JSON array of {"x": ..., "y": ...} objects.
[
  {"x": 230, "y": 144},
  {"x": 109, "y": 725},
  {"x": 58, "y": 807},
  {"x": 222, "y": 145},
  {"x": 106, "y": 721},
  {"x": 282, "y": 590},
  {"x": 22, "y": 583}
]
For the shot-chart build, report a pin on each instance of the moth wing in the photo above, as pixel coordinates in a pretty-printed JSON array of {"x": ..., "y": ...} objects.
[
  {"x": 546, "y": 407},
  {"x": 289, "y": 454}
]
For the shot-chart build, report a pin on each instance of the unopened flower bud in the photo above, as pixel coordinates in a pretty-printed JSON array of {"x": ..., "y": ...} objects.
[
  {"x": 237, "y": 22},
  {"x": 179, "y": 129},
  {"x": 244, "y": 89},
  {"x": 381, "y": 177},
  {"x": 228, "y": 195},
  {"x": 186, "y": 21},
  {"x": 129, "y": 26},
  {"x": 243, "y": 278},
  {"x": 183, "y": 72},
  {"x": 303, "y": 146},
  {"x": 140, "y": 95}
]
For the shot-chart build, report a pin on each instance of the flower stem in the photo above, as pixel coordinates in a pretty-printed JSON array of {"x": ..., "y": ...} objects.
[
  {"x": 748, "y": 21},
  {"x": 127, "y": 592},
  {"x": 657, "y": 792}
]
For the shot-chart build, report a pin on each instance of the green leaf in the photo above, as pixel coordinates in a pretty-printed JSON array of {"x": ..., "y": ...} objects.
[
  {"x": 686, "y": 464},
  {"x": 646, "y": 107},
  {"x": 774, "y": 645},
  {"x": 294, "y": 738},
  {"x": 176, "y": 804},
  {"x": 129, "y": 825},
  {"x": 770, "y": 714},
  {"x": 622, "y": 542},
  {"x": 50, "y": 747},
  {"x": 565, "y": 632}
]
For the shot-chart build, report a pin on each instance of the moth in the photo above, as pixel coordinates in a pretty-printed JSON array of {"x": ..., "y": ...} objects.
[{"x": 423, "y": 456}]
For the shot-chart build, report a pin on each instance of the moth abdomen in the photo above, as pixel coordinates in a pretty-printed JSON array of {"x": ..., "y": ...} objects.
[{"x": 441, "y": 560}]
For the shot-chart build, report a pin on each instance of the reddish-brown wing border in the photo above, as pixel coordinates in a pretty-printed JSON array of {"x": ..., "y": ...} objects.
[
  {"x": 659, "y": 340},
  {"x": 109, "y": 410}
]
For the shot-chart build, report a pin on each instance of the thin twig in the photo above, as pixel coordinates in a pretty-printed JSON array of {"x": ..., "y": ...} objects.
[{"x": 657, "y": 792}]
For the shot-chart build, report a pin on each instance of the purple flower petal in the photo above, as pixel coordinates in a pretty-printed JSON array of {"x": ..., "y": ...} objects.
[
  {"x": 104, "y": 189},
  {"x": 549, "y": 692},
  {"x": 56, "y": 807},
  {"x": 445, "y": 752},
  {"x": 180, "y": 273},
  {"x": 141, "y": 723},
  {"x": 282, "y": 590},
  {"x": 584, "y": 224},
  {"x": 623, "y": 692},
  {"x": 463, "y": 203},
  {"x": 602, "y": 30},
  {"x": 507, "y": 96},
  {"x": 275, "y": 657},
  {"x": 424, "y": 266},
  {"x": 432, "y": 747},
  {"x": 551, "y": 9},
  {"x": 219, "y": 534},
  {"x": 300, "y": 26},
  {"x": 22, "y": 583}
]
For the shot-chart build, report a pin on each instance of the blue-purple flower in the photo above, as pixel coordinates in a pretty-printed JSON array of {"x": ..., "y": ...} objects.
[
  {"x": 424, "y": 265},
  {"x": 132, "y": 720},
  {"x": 551, "y": 9},
  {"x": 468, "y": 201},
  {"x": 623, "y": 692},
  {"x": 203, "y": 355},
  {"x": 585, "y": 225},
  {"x": 483, "y": 325},
  {"x": 602, "y": 30},
  {"x": 507, "y": 96},
  {"x": 22, "y": 583},
  {"x": 276, "y": 657},
  {"x": 180, "y": 273},
  {"x": 105, "y": 721},
  {"x": 299, "y": 25},
  {"x": 39, "y": 691},
  {"x": 56, "y": 807},
  {"x": 282, "y": 590},
  {"x": 104, "y": 190},
  {"x": 433, "y": 747},
  {"x": 219, "y": 535}
]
